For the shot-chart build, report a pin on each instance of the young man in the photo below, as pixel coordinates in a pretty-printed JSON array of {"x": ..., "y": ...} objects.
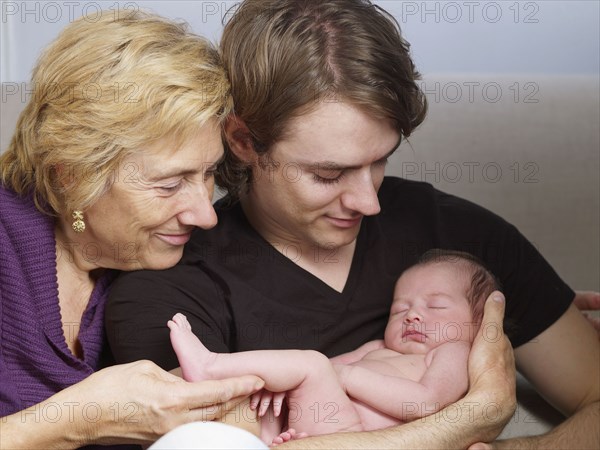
[{"x": 308, "y": 257}]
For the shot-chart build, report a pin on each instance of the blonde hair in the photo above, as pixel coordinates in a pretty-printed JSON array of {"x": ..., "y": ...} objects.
[{"x": 102, "y": 90}]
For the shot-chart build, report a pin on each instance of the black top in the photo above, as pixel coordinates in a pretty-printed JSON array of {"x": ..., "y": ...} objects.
[{"x": 240, "y": 293}]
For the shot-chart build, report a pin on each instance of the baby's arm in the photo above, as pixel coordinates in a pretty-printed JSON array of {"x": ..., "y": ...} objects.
[
  {"x": 358, "y": 354},
  {"x": 445, "y": 381}
]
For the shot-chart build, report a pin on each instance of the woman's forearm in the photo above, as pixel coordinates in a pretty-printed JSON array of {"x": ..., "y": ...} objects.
[{"x": 54, "y": 423}]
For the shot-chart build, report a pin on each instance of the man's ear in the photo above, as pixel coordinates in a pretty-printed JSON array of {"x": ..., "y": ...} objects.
[{"x": 239, "y": 139}]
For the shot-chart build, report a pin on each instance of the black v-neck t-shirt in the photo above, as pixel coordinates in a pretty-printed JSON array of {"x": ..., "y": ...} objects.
[{"x": 240, "y": 293}]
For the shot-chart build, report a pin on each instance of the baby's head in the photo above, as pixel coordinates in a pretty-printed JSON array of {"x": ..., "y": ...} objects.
[{"x": 439, "y": 299}]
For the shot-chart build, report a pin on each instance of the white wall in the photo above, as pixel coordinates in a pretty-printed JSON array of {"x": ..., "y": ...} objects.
[{"x": 552, "y": 37}]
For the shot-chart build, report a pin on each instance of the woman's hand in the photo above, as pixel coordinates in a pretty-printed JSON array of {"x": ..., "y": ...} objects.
[
  {"x": 129, "y": 403},
  {"x": 139, "y": 402}
]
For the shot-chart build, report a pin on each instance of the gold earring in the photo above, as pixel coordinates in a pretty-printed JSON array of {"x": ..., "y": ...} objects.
[{"x": 78, "y": 224}]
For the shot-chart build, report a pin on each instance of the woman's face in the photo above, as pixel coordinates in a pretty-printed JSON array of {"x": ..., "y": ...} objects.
[{"x": 159, "y": 195}]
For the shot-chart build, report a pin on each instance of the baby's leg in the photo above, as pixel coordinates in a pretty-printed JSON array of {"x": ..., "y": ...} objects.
[
  {"x": 317, "y": 403},
  {"x": 193, "y": 356},
  {"x": 320, "y": 405},
  {"x": 282, "y": 370}
]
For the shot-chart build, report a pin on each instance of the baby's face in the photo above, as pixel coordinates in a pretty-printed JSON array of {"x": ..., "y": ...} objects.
[{"x": 429, "y": 308}]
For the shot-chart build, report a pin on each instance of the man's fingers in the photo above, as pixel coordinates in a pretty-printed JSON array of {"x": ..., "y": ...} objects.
[
  {"x": 493, "y": 313},
  {"x": 491, "y": 329},
  {"x": 491, "y": 352},
  {"x": 587, "y": 300}
]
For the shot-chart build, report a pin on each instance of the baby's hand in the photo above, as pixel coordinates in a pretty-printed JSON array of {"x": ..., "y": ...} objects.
[{"x": 264, "y": 398}]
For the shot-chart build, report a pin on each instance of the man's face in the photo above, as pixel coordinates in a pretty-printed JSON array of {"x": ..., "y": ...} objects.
[{"x": 323, "y": 178}]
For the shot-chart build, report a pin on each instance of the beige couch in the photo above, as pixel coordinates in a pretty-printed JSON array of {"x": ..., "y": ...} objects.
[{"x": 526, "y": 147}]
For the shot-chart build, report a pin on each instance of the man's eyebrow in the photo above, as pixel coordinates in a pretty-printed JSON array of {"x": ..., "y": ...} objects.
[{"x": 330, "y": 165}]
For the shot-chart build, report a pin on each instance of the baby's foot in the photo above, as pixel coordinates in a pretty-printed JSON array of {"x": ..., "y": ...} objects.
[
  {"x": 193, "y": 356},
  {"x": 287, "y": 436}
]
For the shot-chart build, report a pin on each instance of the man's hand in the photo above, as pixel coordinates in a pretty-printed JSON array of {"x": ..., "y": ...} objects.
[
  {"x": 589, "y": 301},
  {"x": 492, "y": 374},
  {"x": 563, "y": 364}
]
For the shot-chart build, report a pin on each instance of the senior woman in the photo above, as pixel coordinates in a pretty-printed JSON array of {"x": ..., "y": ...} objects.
[{"x": 110, "y": 168}]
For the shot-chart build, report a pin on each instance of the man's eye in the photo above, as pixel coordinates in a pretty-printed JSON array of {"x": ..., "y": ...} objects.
[{"x": 328, "y": 179}]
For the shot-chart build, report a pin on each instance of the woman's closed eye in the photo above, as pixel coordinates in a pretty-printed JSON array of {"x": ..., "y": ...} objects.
[{"x": 170, "y": 188}]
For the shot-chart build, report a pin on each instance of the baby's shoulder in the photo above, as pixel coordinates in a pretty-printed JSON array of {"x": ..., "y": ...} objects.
[{"x": 449, "y": 350}]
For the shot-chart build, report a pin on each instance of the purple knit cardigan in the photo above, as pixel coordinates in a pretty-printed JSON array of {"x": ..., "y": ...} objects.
[{"x": 35, "y": 361}]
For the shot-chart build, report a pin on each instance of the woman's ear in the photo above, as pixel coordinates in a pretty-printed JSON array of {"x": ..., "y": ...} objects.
[
  {"x": 61, "y": 177},
  {"x": 239, "y": 139}
]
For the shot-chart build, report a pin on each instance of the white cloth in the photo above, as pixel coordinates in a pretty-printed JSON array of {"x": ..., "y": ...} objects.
[{"x": 207, "y": 435}]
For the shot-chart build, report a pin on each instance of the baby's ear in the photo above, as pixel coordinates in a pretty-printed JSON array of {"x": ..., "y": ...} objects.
[{"x": 239, "y": 139}]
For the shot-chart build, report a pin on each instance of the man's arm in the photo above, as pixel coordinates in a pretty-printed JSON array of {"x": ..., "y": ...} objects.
[
  {"x": 563, "y": 363},
  {"x": 142, "y": 302},
  {"x": 484, "y": 411}
]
